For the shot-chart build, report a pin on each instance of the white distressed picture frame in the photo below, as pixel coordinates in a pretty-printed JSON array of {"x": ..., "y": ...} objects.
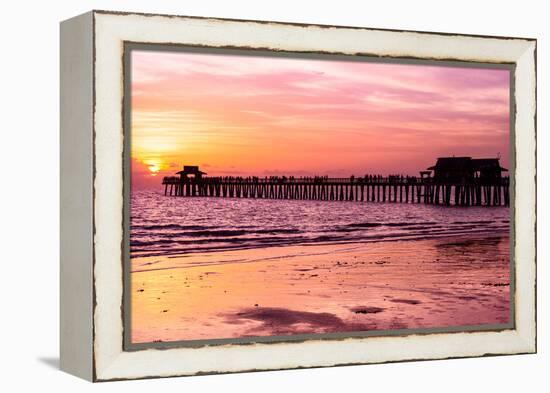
[{"x": 92, "y": 148}]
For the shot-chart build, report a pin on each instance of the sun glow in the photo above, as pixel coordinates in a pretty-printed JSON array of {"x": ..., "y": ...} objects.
[{"x": 154, "y": 167}]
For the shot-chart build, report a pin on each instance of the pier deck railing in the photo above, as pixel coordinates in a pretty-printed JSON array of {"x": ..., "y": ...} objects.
[{"x": 370, "y": 188}]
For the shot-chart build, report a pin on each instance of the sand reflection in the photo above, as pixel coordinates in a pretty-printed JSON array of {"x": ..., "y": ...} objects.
[{"x": 321, "y": 289}]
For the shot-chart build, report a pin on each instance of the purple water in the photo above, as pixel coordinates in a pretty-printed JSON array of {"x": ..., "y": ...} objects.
[{"x": 163, "y": 225}]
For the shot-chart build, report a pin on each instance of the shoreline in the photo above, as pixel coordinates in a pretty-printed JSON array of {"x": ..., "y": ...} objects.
[
  {"x": 150, "y": 259},
  {"x": 404, "y": 238},
  {"x": 324, "y": 288}
]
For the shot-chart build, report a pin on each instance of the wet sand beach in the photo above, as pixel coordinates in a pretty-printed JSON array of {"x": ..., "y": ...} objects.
[{"x": 325, "y": 288}]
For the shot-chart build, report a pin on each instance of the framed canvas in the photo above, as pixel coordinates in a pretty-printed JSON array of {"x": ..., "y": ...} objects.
[{"x": 246, "y": 195}]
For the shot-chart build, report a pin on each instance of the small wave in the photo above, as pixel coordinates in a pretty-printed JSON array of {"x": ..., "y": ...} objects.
[
  {"x": 215, "y": 232},
  {"x": 388, "y": 224},
  {"x": 365, "y": 225},
  {"x": 135, "y": 244},
  {"x": 168, "y": 227},
  {"x": 473, "y": 222}
]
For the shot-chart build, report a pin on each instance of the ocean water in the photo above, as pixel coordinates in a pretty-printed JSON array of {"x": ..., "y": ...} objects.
[{"x": 163, "y": 225}]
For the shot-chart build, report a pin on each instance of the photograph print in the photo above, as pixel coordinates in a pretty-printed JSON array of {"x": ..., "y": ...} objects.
[{"x": 280, "y": 196}]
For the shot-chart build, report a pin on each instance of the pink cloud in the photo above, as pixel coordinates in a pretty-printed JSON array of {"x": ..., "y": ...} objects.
[{"x": 263, "y": 114}]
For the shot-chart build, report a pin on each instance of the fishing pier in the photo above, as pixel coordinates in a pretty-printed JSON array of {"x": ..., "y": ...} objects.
[{"x": 475, "y": 184}]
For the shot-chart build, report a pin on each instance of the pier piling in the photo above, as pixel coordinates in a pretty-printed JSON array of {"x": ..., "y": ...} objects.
[{"x": 394, "y": 189}]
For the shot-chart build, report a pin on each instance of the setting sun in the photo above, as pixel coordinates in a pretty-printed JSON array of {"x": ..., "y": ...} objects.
[{"x": 154, "y": 167}]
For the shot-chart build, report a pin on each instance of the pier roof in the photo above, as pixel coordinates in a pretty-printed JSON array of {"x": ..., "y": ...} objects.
[
  {"x": 466, "y": 164},
  {"x": 487, "y": 163},
  {"x": 452, "y": 164},
  {"x": 191, "y": 170}
]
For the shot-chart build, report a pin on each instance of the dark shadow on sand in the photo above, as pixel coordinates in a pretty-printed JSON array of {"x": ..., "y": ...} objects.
[{"x": 282, "y": 321}]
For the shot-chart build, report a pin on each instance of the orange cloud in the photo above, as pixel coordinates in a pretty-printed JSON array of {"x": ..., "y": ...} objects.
[{"x": 262, "y": 115}]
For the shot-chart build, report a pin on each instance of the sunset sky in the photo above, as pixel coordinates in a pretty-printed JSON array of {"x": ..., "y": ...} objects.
[{"x": 244, "y": 115}]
